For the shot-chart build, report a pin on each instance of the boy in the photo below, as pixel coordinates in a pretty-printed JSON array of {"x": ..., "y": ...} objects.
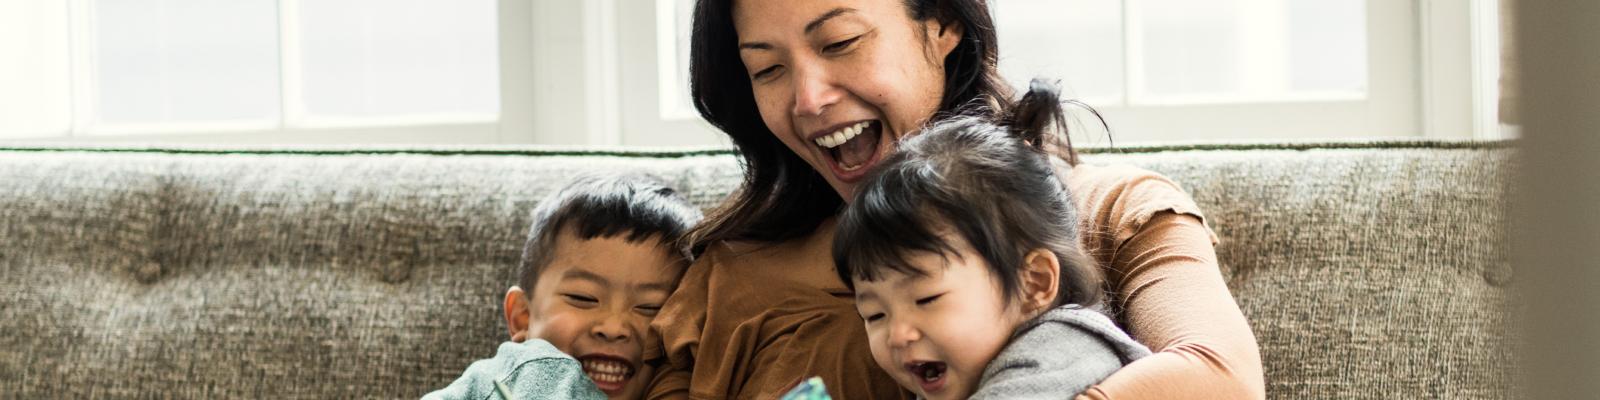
[{"x": 598, "y": 263}]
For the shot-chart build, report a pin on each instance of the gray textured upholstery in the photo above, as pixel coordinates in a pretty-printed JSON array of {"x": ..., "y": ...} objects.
[{"x": 1367, "y": 270}]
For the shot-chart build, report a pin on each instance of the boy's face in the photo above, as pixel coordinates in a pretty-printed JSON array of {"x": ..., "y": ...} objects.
[
  {"x": 936, "y": 333},
  {"x": 594, "y": 301}
]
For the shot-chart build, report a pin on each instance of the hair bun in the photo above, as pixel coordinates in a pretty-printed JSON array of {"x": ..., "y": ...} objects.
[{"x": 1038, "y": 118}]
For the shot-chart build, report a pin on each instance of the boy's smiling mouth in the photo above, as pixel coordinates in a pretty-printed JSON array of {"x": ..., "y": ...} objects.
[
  {"x": 930, "y": 375},
  {"x": 609, "y": 373}
]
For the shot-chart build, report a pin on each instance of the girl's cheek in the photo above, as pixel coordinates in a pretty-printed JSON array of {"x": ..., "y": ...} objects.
[{"x": 880, "y": 351}]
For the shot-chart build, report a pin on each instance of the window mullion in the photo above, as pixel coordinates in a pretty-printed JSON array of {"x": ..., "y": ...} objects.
[
  {"x": 291, "y": 111},
  {"x": 1132, "y": 60},
  {"x": 80, "y": 17}
]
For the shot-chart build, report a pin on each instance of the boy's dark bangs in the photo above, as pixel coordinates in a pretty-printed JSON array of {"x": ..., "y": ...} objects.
[{"x": 637, "y": 207}]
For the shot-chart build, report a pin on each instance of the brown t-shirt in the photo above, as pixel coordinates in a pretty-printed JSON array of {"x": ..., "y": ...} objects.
[{"x": 751, "y": 321}]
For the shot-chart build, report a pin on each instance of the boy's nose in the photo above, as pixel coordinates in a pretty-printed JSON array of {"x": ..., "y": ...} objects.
[{"x": 611, "y": 329}]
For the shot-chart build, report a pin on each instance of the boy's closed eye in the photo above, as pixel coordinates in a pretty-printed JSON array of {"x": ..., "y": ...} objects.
[
  {"x": 580, "y": 300},
  {"x": 649, "y": 310}
]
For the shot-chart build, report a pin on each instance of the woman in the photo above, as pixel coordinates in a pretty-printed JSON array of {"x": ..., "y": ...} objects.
[{"x": 813, "y": 93}]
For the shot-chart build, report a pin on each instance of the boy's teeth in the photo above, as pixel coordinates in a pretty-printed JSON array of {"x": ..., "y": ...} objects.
[
  {"x": 841, "y": 136},
  {"x": 606, "y": 370}
]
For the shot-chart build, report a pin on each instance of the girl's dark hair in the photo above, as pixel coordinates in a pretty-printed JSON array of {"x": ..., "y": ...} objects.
[
  {"x": 994, "y": 186},
  {"x": 782, "y": 197}
]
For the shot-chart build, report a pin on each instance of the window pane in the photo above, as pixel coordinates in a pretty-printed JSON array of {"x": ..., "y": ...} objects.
[
  {"x": 1328, "y": 45},
  {"x": 34, "y": 69},
  {"x": 1078, "y": 42},
  {"x": 678, "y": 103},
  {"x": 365, "y": 58},
  {"x": 1250, "y": 49},
  {"x": 186, "y": 60}
]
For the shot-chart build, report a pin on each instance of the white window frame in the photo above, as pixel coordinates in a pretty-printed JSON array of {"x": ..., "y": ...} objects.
[
  {"x": 294, "y": 125},
  {"x": 595, "y": 72},
  {"x": 1427, "y": 79}
]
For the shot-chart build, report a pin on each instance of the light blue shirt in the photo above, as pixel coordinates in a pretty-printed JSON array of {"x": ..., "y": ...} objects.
[{"x": 530, "y": 370}]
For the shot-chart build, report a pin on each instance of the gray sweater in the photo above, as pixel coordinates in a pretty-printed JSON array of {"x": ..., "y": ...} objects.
[{"x": 1057, "y": 356}]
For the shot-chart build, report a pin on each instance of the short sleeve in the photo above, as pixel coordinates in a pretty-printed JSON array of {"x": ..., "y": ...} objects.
[
  {"x": 529, "y": 370},
  {"x": 676, "y": 332}
]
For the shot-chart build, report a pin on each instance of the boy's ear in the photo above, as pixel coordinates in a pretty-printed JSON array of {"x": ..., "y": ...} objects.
[
  {"x": 516, "y": 308},
  {"x": 1041, "y": 280}
]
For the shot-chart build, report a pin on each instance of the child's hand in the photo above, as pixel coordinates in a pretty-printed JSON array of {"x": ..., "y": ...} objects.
[{"x": 810, "y": 389}]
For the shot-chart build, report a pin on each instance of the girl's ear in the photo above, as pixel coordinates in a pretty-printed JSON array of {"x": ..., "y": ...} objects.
[
  {"x": 516, "y": 308},
  {"x": 1041, "y": 280}
]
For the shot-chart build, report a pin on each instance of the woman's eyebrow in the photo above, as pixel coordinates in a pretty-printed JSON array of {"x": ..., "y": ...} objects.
[
  {"x": 810, "y": 26},
  {"x": 817, "y": 23}
]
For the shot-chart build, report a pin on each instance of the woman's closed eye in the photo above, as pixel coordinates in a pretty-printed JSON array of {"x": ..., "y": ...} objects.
[
  {"x": 841, "y": 45},
  {"x": 765, "y": 73}
]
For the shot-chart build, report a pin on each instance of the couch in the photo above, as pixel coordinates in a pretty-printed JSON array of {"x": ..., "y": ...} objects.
[{"x": 1368, "y": 270}]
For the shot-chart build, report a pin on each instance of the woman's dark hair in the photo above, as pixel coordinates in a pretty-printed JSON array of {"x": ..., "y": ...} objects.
[
  {"x": 782, "y": 197},
  {"x": 994, "y": 186}
]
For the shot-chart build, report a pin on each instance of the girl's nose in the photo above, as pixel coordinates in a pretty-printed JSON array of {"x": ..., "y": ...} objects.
[{"x": 903, "y": 334}]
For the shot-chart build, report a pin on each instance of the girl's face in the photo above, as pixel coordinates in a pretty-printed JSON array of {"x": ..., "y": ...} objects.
[
  {"x": 840, "y": 81},
  {"x": 936, "y": 333}
]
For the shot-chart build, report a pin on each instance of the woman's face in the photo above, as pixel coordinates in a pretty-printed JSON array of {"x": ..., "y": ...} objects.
[{"x": 840, "y": 81}]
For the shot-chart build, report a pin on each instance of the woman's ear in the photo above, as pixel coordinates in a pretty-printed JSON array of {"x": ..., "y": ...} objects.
[
  {"x": 516, "y": 308},
  {"x": 1041, "y": 280},
  {"x": 945, "y": 36}
]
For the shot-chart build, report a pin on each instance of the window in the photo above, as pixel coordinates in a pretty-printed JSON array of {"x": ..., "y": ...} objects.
[
  {"x": 263, "y": 70},
  {"x": 1235, "y": 69},
  {"x": 614, "y": 72},
  {"x": 1213, "y": 70},
  {"x": 35, "y": 101}
]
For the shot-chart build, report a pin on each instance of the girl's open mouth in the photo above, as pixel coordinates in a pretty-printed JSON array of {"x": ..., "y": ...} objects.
[
  {"x": 852, "y": 148},
  {"x": 930, "y": 375},
  {"x": 610, "y": 374}
]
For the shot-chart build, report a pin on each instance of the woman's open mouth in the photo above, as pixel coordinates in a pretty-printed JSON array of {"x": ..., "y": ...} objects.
[
  {"x": 930, "y": 375},
  {"x": 610, "y": 374},
  {"x": 852, "y": 148}
]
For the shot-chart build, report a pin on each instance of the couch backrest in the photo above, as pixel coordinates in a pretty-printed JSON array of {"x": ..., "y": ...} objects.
[{"x": 1367, "y": 270}]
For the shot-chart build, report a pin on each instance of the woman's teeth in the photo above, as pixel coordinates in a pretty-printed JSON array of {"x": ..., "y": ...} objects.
[
  {"x": 606, "y": 371},
  {"x": 843, "y": 135}
]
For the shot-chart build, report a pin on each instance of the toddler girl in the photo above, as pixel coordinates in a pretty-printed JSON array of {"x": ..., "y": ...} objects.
[{"x": 963, "y": 252}]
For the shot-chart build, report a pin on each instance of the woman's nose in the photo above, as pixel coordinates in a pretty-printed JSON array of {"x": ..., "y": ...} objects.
[{"x": 814, "y": 91}]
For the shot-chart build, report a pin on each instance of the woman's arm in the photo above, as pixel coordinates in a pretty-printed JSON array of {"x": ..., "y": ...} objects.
[
  {"x": 669, "y": 383},
  {"x": 1175, "y": 300}
]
